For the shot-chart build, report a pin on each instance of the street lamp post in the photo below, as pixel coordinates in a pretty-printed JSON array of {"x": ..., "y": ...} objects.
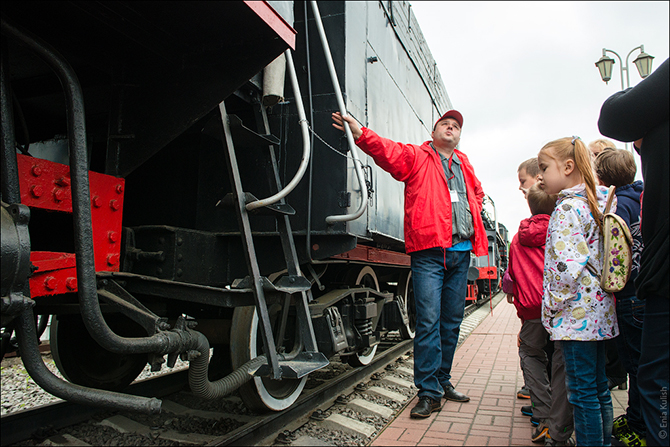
[{"x": 643, "y": 63}]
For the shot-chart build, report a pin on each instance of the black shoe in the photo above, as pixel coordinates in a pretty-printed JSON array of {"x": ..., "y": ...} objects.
[
  {"x": 425, "y": 407},
  {"x": 523, "y": 393},
  {"x": 451, "y": 394}
]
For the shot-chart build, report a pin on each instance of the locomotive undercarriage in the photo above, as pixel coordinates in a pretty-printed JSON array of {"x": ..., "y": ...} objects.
[{"x": 185, "y": 278}]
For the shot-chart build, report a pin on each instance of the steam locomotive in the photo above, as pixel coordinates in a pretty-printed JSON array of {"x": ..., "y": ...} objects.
[{"x": 172, "y": 184}]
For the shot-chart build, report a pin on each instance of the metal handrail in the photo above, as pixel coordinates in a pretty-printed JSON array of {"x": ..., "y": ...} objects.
[
  {"x": 350, "y": 138},
  {"x": 304, "y": 162}
]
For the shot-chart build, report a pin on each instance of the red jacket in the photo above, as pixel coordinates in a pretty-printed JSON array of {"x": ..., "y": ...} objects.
[
  {"x": 427, "y": 199},
  {"x": 526, "y": 266}
]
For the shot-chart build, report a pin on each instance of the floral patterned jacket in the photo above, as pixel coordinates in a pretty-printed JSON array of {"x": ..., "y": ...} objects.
[{"x": 574, "y": 307}]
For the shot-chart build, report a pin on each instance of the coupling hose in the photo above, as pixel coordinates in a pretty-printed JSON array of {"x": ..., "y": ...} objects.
[{"x": 197, "y": 373}]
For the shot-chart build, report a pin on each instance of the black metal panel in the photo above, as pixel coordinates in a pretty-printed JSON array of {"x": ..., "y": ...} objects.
[
  {"x": 167, "y": 63},
  {"x": 390, "y": 83}
]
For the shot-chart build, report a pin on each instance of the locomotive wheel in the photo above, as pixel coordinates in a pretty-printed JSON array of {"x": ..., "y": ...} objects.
[
  {"x": 406, "y": 290},
  {"x": 365, "y": 277},
  {"x": 263, "y": 393},
  {"x": 84, "y": 362}
]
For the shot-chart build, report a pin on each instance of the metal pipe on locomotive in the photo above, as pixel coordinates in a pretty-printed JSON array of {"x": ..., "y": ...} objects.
[{"x": 131, "y": 211}]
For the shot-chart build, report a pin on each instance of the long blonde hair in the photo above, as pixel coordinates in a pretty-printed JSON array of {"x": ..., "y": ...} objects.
[{"x": 573, "y": 148}]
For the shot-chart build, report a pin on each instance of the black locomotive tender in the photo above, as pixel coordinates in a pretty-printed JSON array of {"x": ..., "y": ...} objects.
[{"x": 172, "y": 116}]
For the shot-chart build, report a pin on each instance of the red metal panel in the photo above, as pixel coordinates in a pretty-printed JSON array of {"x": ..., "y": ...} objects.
[
  {"x": 375, "y": 256},
  {"x": 46, "y": 185},
  {"x": 490, "y": 272},
  {"x": 56, "y": 273},
  {"x": 472, "y": 292},
  {"x": 274, "y": 21}
]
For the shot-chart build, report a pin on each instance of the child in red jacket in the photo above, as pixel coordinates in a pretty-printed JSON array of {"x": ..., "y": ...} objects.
[{"x": 526, "y": 266}]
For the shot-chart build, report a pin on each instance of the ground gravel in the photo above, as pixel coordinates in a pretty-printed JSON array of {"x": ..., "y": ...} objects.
[{"x": 20, "y": 392}]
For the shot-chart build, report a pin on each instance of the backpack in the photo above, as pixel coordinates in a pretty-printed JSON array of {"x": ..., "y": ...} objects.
[{"x": 618, "y": 249}]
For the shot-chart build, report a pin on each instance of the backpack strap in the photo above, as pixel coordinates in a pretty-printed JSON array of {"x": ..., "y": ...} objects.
[{"x": 610, "y": 197}]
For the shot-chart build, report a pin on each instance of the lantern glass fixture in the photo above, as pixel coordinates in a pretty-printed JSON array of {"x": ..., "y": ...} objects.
[
  {"x": 604, "y": 65},
  {"x": 643, "y": 63}
]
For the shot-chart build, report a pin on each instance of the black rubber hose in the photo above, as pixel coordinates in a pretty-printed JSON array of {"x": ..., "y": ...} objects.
[
  {"x": 9, "y": 171},
  {"x": 32, "y": 359},
  {"x": 200, "y": 384}
]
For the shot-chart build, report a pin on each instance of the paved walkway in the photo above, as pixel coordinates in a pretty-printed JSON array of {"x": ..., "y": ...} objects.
[{"x": 486, "y": 368}]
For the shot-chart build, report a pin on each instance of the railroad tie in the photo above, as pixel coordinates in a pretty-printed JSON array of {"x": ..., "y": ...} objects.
[
  {"x": 346, "y": 424},
  {"x": 397, "y": 381},
  {"x": 387, "y": 394},
  {"x": 63, "y": 441},
  {"x": 363, "y": 406},
  {"x": 124, "y": 425},
  {"x": 309, "y": 441},
  {"x": 170, "y": 406}
]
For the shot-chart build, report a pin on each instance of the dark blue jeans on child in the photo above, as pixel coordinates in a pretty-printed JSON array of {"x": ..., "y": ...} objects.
[{"x": 588, "y": 393}]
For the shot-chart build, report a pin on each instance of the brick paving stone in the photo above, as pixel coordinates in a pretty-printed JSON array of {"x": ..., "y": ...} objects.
[
  {"x": 486, "y": 368},
  {"x": 476, "y": 440},
  {"x": 439, "y": 426},
  {"x": 391, "y": 433},
  {"x": 412, "y": 435}
]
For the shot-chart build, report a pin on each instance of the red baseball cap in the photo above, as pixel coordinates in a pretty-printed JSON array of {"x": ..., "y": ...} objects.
[{"x": 455, "y": 114}]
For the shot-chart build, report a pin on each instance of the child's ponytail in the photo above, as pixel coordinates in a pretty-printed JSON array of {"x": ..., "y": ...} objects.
[{"x": 583, "y": 163}]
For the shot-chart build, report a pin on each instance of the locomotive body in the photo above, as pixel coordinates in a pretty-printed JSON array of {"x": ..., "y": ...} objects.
[{"x": 136, "y": 209}]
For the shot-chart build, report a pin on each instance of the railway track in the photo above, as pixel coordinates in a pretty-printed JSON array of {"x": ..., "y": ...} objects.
[{"x": 340, "y": 405}]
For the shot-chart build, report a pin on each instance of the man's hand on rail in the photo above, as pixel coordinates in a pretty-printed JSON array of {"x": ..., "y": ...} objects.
[{"x": 353, "y": 125}]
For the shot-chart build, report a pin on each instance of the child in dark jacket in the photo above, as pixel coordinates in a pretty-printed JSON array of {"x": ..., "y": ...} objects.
[
  {"x": 526, "y": 266},
  {"x": 616, "y": 167}
]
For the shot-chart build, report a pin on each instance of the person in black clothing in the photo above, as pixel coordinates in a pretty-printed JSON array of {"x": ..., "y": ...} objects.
[
  {"x": 640, "y": 114},
  {"x": 616, "y": 167}
]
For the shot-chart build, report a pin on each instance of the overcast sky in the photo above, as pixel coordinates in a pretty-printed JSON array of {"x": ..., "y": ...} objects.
[{"x": 523, "y": 74}]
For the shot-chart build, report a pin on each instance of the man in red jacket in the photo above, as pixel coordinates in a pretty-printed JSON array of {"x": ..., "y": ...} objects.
[{"x": 443, "y": 224}]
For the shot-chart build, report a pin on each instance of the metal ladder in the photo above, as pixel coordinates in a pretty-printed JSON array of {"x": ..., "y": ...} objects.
[{"x": 309, "y": 359}]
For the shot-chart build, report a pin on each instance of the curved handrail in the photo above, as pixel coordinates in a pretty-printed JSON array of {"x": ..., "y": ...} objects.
[
  {"x": 350, "y": 138},
  {"x": 304, "y": 162}
]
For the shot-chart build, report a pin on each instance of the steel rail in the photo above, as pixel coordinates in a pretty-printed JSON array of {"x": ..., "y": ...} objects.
[
  {"x": 22, "y": 425},
  {"x": 257, "y": 431}
]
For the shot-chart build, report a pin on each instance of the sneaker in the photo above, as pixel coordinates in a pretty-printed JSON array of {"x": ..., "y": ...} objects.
[
  {"x": 540, "y": 432},
  {"x": 527, "y": 410},
  {"x": 553, "y": 442},
  {"x": 425, "y": 407},
  {"x": 523, "y": 393},
  {"x": 620, "y": 425},
  {"x": 631, "y": 439}
]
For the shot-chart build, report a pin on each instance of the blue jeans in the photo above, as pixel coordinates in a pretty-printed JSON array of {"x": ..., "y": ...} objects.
[
  {"x": 588, "y": 393},
  {"x": 440, "y": 283},
  {"x": 630, "y": 313},
  {"x": 653, "y": 371}
]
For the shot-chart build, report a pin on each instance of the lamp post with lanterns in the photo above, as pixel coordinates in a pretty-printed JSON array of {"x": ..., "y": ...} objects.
[{"x": 643, "y": 63}]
